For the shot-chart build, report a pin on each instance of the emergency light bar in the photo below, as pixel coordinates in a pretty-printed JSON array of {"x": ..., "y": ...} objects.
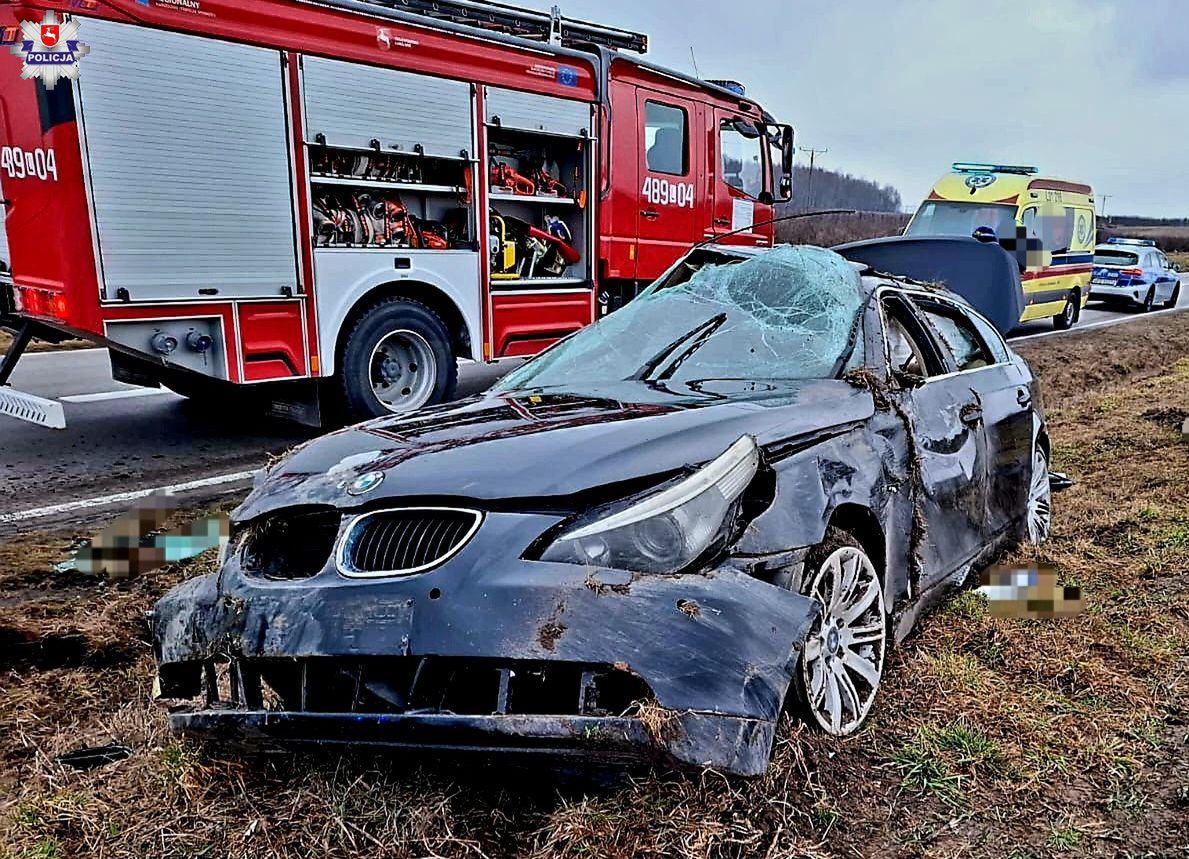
[
  {"x": 1139, "y": 243},
  {"x": 731, "y": 86},
  {"x": 975, "y": 167},
  {"x": 548, "y": 27}
]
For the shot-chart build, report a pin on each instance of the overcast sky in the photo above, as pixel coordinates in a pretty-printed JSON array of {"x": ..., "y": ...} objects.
[{"x": 1092, "y": 90}]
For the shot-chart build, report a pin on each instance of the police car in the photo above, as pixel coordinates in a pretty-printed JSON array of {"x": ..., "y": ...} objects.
[{"x": 1136, "y": 272}]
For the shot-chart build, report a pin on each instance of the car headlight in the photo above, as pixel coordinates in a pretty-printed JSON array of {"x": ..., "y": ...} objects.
[{"x": 667, "y": 530}]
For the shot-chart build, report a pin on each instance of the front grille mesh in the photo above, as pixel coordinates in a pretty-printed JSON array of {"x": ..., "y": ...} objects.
[{"x": 407, "y": 541}]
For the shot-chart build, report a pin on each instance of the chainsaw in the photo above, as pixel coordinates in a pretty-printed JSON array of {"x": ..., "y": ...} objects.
[
  {"x": 505, "y": 178},
  {"x": 547, "y": 185}
]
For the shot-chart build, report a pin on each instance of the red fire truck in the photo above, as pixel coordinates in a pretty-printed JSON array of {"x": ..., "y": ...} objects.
[{"x": 334, "y": 201}]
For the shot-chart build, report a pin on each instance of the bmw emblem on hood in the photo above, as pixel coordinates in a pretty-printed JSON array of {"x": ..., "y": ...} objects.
[{"x": 365, "y": 483}]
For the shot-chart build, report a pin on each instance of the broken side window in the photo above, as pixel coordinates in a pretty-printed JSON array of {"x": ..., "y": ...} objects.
[
  {"x": 789, "y": 313},
  {"x": 958, "y": 336},
  {"x": 910, "y": 349}
]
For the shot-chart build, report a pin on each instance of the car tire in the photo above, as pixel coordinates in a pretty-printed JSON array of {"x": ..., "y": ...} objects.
[
  {"x": 1175, "y": 298},
  {"x": 396, "y": 358},
  {"x": 1065, "y": 320},
  {"x": 1149, "y": 300},
  {"x": 1040, "y": 498},
  {"x": 844, "y": 655}
]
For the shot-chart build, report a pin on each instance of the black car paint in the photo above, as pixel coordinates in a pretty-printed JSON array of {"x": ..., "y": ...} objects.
[
  {"x": 519, "y": 450},
  {"x": 884, "y": 458}
]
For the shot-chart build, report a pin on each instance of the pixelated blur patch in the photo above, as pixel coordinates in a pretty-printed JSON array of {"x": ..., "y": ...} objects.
[
  {"x": 138, "y": 543},
  {"x": 1030, "y": 592}
]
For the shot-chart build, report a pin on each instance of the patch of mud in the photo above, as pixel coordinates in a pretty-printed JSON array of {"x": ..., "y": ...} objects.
[
  {"x": 24, "y": 650},
  {"x": 549, "y": 633},
  {"x": 1169, "y": 418}
]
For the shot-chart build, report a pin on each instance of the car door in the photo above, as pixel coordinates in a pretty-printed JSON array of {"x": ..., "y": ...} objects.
[
  {"x": 980, "y": 359},
  {"x": 1168, "y": 278},
  {"x": 1151, "y": 276},
  {"x": 946, "y": 422},
  {"x": 669, "y": 220},
  {"x": 738, "y": 178}
]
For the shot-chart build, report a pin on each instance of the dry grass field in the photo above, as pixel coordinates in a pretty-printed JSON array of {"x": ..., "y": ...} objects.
[
  {"x": 1168, "y": 238},
  {"x": 830, "y": 230},
  {"x": 993, "y": 737},
  {"x": 41, "y": 345}
]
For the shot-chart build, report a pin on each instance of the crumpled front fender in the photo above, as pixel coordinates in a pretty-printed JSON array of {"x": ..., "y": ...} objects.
[{"x": 719, "y": 643}]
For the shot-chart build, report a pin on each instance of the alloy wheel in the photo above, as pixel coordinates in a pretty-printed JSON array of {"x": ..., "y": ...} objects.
[
  {"x": 843, "y": 662},
  {"x": 1040, "y": 500},
  {"x": 403, "y": 371}
]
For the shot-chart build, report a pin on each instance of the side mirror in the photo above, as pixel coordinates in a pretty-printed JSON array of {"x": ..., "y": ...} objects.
[{"x": 788, "y": 151}]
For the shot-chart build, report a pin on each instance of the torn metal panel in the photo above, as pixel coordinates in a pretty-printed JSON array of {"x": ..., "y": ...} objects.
[
  {"x": 731, "y": 663},
  {"x": 736, "y": 657}
]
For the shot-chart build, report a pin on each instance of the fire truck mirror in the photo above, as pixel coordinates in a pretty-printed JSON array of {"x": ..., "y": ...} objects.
[{"x": 780, "y": 139}]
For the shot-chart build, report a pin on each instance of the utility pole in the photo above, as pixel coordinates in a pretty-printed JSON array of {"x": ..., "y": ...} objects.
[
  {"x": 1104, "y": 198},
  {"x": 813, "y": 153}
]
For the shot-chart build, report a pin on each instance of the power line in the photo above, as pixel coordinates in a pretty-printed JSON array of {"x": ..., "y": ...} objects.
[{"x": 813, "y": 153}]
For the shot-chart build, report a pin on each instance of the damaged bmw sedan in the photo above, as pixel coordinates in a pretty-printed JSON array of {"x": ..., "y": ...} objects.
[{"x": 725, "y": 500}]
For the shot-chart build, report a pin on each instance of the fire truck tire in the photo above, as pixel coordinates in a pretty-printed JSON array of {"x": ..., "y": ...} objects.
[{"x": 396, "y": 358}]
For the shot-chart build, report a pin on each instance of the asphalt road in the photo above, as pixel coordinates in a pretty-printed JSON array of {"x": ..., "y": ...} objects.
[
  {"x": 1096, "y": 313},
  {"x": 121, "y": 440}
]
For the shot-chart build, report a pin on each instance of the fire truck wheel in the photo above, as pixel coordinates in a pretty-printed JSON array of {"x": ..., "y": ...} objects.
[{"x": 396, "y": 358}]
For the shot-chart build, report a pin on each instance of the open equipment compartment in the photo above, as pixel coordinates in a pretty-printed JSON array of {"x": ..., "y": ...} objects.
[
  {"x": 539, "y": 169},
  {"x": 390, "y": 166}
]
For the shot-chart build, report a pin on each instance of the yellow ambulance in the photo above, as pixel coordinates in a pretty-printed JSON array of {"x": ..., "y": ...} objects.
[{"x": 1049, "y": 223}]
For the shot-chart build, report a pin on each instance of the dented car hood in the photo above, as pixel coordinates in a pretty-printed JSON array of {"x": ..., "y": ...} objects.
[{"x": 534, "y": 445}]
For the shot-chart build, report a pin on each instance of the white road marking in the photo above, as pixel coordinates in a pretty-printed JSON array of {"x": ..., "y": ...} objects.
[
  {"x": 123, "y": 497},
  {"x": 29, "y": 355},
  {"x": 1106, "y": 323},
  {"x": 114, "y": 395}
]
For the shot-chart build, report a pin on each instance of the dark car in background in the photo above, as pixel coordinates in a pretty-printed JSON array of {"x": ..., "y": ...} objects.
[{"x": 726, "y": 499}]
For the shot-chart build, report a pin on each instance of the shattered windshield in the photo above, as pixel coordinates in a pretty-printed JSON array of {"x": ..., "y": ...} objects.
[{"x": 790, "y": 313}]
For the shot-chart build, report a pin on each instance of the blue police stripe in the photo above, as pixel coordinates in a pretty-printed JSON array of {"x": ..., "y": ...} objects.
[{"x": 1073, "y": 259}]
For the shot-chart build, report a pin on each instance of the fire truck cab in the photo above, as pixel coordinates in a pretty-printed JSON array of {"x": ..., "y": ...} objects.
[{"x": 332, "y": 202}]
